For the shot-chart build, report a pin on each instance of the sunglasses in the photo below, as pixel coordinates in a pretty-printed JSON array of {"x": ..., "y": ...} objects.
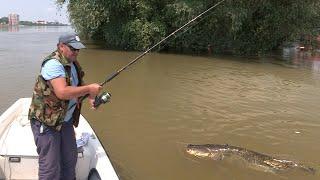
[{"x": 72, "y": 48}]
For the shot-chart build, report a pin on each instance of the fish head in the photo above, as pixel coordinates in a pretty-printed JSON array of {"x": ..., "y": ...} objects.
[
  {"x": 197, "y": 150},
  {"x": 205, "y": 150}
]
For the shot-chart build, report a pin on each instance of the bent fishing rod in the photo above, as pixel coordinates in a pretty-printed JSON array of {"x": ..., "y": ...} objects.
[{"x": 105, "y": 97}]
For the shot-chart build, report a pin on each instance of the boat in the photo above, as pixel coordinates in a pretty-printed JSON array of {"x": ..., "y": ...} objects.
[{"x": 19, "y": 158}]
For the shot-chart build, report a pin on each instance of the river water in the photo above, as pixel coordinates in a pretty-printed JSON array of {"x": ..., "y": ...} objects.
[{"x": 166, "y": 101}]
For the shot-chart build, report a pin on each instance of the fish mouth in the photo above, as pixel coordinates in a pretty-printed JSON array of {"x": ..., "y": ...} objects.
[
  {"x": 197, "y": 151},
  {"x": 191, "y": 151}
]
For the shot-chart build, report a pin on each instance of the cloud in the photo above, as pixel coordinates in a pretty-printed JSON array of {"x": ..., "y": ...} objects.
[{"x": 51, "y": 10}]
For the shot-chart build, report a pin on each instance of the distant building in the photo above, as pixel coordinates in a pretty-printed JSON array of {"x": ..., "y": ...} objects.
[
  {"x": 13, "y": 19},
  {"x": 41, "y": 22}
]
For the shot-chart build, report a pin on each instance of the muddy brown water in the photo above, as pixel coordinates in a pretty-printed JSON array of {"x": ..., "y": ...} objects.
[{"x": 167, "y": 101}]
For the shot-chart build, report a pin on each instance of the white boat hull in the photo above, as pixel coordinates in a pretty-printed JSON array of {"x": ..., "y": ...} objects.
[{"x": 18, "y": 156}]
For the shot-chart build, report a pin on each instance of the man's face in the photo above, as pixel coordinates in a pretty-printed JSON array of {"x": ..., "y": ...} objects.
[{"x": 69, "y": 52}]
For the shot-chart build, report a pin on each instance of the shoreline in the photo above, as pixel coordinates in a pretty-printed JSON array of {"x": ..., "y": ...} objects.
[{"x": 7, "y": 25}]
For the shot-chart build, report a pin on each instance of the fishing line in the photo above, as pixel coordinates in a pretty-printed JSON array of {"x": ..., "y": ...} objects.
[
  {"x": 105, "y": 97},
  {"x": 184, "y": 31},
  {"x": 109, "y": 78}
]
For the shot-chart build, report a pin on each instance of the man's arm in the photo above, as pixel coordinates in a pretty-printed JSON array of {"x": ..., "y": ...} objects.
[{"x": 65, "y": 92}]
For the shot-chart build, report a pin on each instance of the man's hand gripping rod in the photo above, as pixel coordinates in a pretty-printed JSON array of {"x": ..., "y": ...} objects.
[{"x": 105, "y": 97}]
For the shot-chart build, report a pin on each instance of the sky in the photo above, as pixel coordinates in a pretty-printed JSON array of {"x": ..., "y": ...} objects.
[{"x": 34, "y": 10}]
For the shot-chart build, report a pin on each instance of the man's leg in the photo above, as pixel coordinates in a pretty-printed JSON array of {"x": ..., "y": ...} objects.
[
  {"x": 69, "y": 153},
  {"x": 48, "y": 147}
]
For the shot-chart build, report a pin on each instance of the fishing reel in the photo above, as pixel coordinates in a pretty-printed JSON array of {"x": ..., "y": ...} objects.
[{"x": 101, "y": 99}]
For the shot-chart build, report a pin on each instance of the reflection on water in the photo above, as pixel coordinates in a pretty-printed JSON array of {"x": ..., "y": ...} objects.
[
  {"x": 166, "y": 101},
  {"x": 7, "y": 28},
  {"x": 306, "y": 59},
  {"x": 23, "y": 28}
]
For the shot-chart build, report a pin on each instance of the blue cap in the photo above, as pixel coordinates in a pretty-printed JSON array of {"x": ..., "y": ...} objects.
[{"x": 71, "y": 39}]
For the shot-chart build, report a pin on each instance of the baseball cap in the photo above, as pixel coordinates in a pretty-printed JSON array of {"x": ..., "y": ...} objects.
[{"x": 71, "y": 39}]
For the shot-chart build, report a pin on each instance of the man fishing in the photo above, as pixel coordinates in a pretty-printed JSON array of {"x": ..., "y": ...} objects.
[
  {"x": 55, "y": 109},
  {"x": 56, "y": 104}
]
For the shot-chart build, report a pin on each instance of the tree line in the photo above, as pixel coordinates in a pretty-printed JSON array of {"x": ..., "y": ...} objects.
[
  {"x": 238, "y": 27},
  {"x": 4, "y": 20}
]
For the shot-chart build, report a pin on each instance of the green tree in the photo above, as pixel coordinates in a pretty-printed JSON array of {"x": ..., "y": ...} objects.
[
  {"x": 243, "y": 27},
  {"x": 4, "y": 20}
]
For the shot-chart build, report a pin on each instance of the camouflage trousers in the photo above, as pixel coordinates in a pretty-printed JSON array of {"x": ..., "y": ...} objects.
[{"x": 57, "y": 151}]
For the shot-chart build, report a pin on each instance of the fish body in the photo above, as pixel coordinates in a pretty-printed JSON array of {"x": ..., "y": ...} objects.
[{"x": 219, "y": 151}]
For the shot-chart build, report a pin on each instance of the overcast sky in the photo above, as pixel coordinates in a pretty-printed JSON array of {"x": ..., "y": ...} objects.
[{"x": 33, "y": 10}]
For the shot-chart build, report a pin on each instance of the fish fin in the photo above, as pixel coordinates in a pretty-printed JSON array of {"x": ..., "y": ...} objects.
[
  {"x": 217, "y": 156},
  {"x": 308, "y": 169}
]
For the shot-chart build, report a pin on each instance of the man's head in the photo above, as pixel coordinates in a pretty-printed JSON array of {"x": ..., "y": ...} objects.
[{"x": 69, "y": 45}]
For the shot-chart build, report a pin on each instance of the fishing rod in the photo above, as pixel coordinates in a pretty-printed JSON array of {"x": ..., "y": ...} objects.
[{"x": 105, "y": 97}]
